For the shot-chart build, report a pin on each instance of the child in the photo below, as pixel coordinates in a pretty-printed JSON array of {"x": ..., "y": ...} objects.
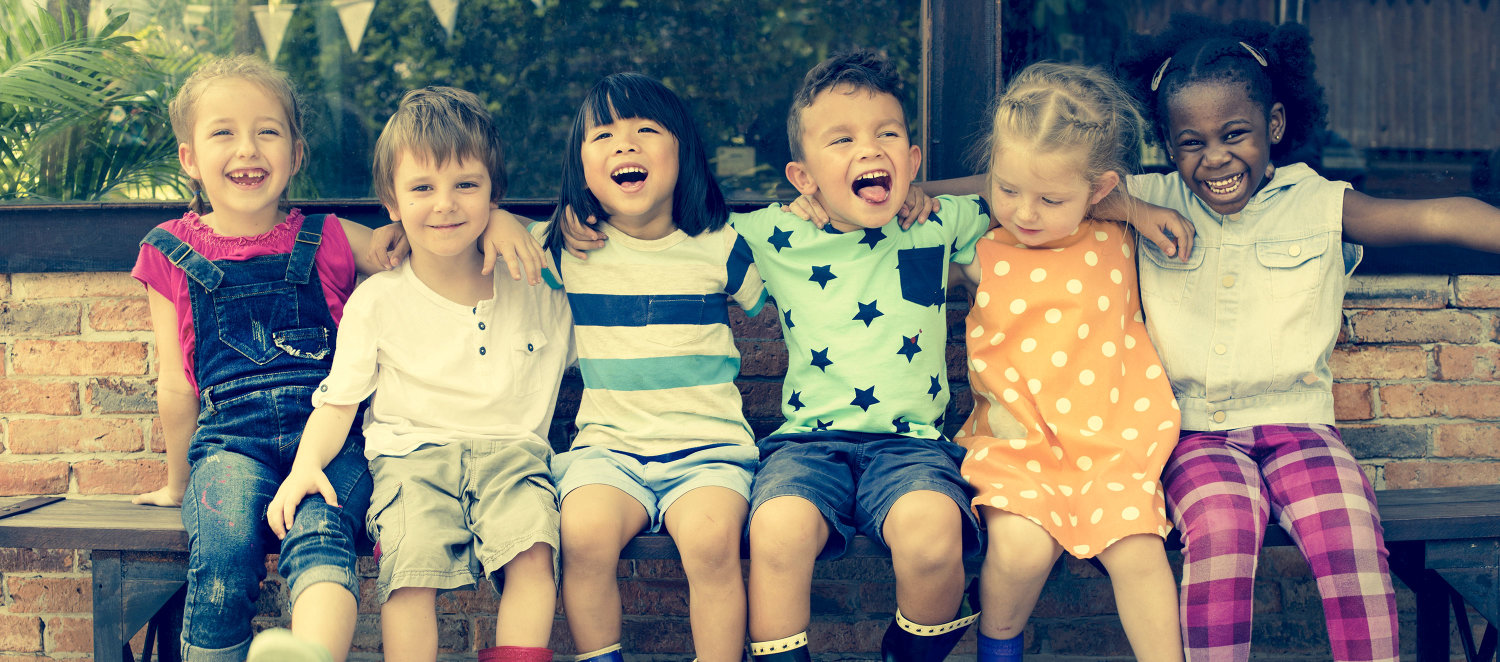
[
  {"x": 464, "y": 371},
  {"x": 1073, "y": 419},
  {"x": 661, "y": 437},
  {"x": 244, "y": 302},
  {"x": 1246, "y": 327}
]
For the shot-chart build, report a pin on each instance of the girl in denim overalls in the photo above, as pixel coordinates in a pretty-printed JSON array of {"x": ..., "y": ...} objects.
[{"x": 244, "y": 303}]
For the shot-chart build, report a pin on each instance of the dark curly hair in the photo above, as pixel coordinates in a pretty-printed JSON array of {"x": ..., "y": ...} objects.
[
  {"x": 1204, "y": 50},
  {"x": 861, "y": 68}
]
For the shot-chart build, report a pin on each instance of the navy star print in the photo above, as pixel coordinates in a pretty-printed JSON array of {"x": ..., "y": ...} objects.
[
  {"x": 909, "y": 347},
  {"x": 796, "y": 401},
  {"x": 821, "y": 275},
  {"x": 867, "y": 313},
  {"x": 936, "y": 387},
  {"x": 820, "y": 359},
  {"x": 864, "y": 398},
  {"x": 780, "y": 239},
  {"x": 787, "y": 315},
  {"x": 902, "y": 427},
  {"x": 821, "y": 425},
  {"x": 872, "y": 237}
]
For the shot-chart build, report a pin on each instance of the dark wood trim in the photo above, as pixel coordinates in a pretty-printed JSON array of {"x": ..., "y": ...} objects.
[{"x": 960, "y": 70}]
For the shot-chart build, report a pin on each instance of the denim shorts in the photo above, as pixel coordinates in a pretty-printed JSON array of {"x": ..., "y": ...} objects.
[
  {"x": 657, "y": 481},
  {"x": 855, "y": 477},
  {"x": 446, "y": 515}
]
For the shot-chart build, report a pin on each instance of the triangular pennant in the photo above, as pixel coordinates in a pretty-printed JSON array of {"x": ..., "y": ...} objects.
[
  {"x": 355, "y": 15},
  {"x": 447, "y": 13},
  {"x": 272, "y": 24},
  {"x": 195, "y": 15}
]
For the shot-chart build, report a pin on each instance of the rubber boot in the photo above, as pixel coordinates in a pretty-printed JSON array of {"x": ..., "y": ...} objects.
[
  {"x": 790, "y": 649},
  {"x": 906, "y": 641},
  {"x": 606, "y": 654}
]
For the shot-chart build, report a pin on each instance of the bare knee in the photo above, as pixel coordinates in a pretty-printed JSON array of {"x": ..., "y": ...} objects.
[
  {"x": 710, "y": 545},
  {"x": 787, "y": 531},
  {"x": 925, "y": 532}
]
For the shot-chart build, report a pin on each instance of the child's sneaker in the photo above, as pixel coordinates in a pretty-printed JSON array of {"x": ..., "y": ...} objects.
[{"x": 279, "y": 645}]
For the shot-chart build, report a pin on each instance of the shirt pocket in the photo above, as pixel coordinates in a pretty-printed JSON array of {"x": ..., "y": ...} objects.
[
  {"x": 1165, "y": 278},
  {"x": 922, "y": 272},
  {"x": 527, "y": 357},
  {"x": 1295, "y": 265},
  {"x": 252, "y": 317},
  {"x": 674, "y": 320}
]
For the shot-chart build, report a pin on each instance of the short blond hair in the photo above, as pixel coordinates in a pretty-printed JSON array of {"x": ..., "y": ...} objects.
[{"x": 441, "y": 123}]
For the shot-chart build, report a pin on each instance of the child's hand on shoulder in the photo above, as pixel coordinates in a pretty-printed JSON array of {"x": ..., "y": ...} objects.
[
  {"x": 301, "y": 482},
  {"x": 580, "y": 237},
  {"x": 1168, "y": 229},
  {"x": 507, "y": 239},
  {"x": 388, "y": 245},
  {"x": 807, "y": 208},
  {"x": 166, "y": 497},
  {"x": 917, "y": 207}
]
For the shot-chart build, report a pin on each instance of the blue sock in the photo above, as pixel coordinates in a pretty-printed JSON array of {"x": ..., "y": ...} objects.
[{"x": 1000, "y": 650}]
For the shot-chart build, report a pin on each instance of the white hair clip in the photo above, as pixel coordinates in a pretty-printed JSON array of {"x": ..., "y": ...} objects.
[
  {"x": 1161, "y": 70},
  {"x": 1255, "y": 53}
]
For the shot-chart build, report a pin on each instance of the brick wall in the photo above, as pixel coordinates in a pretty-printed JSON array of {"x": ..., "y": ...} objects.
[{"x": 1418, "y": 397}]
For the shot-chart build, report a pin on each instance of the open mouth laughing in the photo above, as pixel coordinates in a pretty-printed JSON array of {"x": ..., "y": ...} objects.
[
  {"x": 873, "y": 187},
  {"x": 629, "y": 177},
  {"x": 248, "y": 178},
  {"x": 1226, "y": 186}
]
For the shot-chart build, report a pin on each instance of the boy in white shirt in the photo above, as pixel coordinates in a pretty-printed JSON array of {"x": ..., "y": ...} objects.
[{"x": 464, "y": 371}]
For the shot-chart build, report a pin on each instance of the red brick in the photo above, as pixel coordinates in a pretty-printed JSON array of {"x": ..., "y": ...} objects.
[
  {"x": 1421, "y": 326},
  {"x": 72, "y": 285},
  {"x": 24, "y": 396},
  {"x": 1430, "y": 292},
  {"x": 1406, "y": 475},
  {"x": 844, "y": 637},
  {"x": 1352, "y": 402},
  {"x": 30, "y": 595},
  {"x": 30, "y": 657},
  {"x": 1441, "y": 399},
  {"x": 366, "y": 634},
  {"x": 1467, "y": 440},
  {"x": 1477, "y": 291},
  {"x": 765, "y": 326},
  {"x": 760, "y": 399},
  {"x": 20, "y": 634},
  {"x": 74, "y": 357},
  {"x": 35, "y": 560},
  {"x": 1379, "y": 362},
  {"x": 31, "y": 319},
  {"x": 762, "y": 358},
  {"x": 117, "y": 395},
  {"x": 78, "y": 435},
  {"x": 29, "y": 478},
  {"x": 128, "y": 314},
  {"x": 156, "y": 443},
  {"x": 479, "y": 600},
  {"x": 120, "y": 477},
  {"x": 1468, "y": 362}
]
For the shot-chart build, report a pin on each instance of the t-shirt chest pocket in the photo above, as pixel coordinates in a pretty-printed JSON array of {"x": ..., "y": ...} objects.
[
  {"x": 675, "y": 319},
  {"x": 526, "y": 356},
  {"x": 923, "y": 275},
  {"x": 1295, "y": 265}
]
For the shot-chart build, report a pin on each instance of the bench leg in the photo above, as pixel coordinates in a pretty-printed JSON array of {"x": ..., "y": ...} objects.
[{"x": 109, "y": 644}]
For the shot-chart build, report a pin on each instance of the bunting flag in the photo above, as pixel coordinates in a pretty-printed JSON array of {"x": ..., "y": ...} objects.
[
  {"x": 272, "y": 21},
  {"x": 355, "y": 15},
  {"x": 194, "y": 15},
  {"x": 447, "y": 13}
]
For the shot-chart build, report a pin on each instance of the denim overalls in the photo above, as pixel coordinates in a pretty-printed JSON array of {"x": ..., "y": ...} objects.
[{"x": 275, "y": 340}]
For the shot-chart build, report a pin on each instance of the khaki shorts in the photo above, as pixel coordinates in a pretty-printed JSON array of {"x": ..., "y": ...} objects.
[{"x": 446, "y": 515}]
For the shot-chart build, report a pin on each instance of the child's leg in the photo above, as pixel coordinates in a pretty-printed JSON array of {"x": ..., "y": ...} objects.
[
  {"x": 224, "y": 514},
  {"x": 707, "y": 524},
  {"x": 924, "y": 530},
  {"x": 1019, "y": 558},
  {"x": 1215, "y": 499},
  {"x": 529, "y": 599},
  {"x": 786, "y": 535},
  {"x": 1327, "y": 504},
  {"x": 597, "y": 522},
  {"x": 408, "y": 625},
  {"x": 318, "y": 556},
  {"x": 1146, "y": 594}
]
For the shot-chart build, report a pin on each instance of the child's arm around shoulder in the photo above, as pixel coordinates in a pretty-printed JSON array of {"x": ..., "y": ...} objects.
[
  {"x": 1463, "y": 222},
  {"x": 176, "y": 402},
  {"x": 374, "y": 250}
]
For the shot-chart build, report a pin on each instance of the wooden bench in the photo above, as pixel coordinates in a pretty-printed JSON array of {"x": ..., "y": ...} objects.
[{"x": 1444, "y": 544}]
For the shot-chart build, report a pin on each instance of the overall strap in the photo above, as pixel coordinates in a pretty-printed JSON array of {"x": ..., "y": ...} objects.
[
  {"x": 191, "y": 262},
  {"x": 305, "y": 249}
]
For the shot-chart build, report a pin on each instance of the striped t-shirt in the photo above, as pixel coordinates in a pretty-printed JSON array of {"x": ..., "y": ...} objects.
[{"x": 651, "y": 322}]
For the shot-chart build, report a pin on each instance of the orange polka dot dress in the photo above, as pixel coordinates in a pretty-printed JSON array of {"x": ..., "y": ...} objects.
[{"x": 1073, "y": 417}]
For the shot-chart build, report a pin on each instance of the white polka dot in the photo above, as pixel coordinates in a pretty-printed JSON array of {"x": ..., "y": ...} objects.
[
  {"x": 998, "y": 338},
  {"x": 983, "y": 299},
  {"x": 1095, "y": 423},
  {"x": 1081, "y": 550},
  {"x": 1103, "y": 303},
  {"x": 1064, "y": 405},
  {"x": 1140, "y": 475},
  {"x": 1018, "y": 444},
  {"x": 1130, "y": 514},
  {"x": 981, "y": 454},
  {"x": 1018, "y": 306},
  {"x": 1067, "y": 490},
  {"x": 1115, "y": 276},
  {"x": 1056, "y": 518},
  {"x": 1011, "y": 374},
  {"x": 1114, "y": 395},
  {"x": 1038, "y": 275},
  {"x": 1143, "y": 404},
  {"x": 1086, "y": 377},
  {"x": 1153, "y": 371},
  {"x": 979, "y": 365},
  {"x": 1075, "y": 286},
  {"x": 1166, "y": 425},
  {"x": 1125, "y": 250},
  {"x": 1116, "y": 456},
  {"x": 1028, "y": 344},
  {"x": 1057, "y": 452},
  {"x": 1053, "y": 315},
  {"x": 1034, "y": 467},
  {"x": 1034, "y": 385},
  {"x": 999, "y": 501},
  {"x": 1109, "y": 348},
  {"x": 1174, "y": 405},
  {"x": 1085, "y": 488},
  {"x": 1073, "y": 520},
  {"x": 1151, "y": 450},
  {"x": 1083, "y": 331},
  {"x": 1149, "y": 487},
  {"x": 1091, "y": 258},
  {"x": 1111, "y": 542},
  {"x": 1001, "y": 268},
  {"x": 1049, "y": 489},
  {"x": 1129, "y": 434},
  {"x": 1129, "y": 342},
  {"x": 978, "y": 331},
  {"x": 1053, "y": 428},
  {"x": 1099, "y": 235},
  {"x": 1085, "y": 433},
  {"x": 1028, "y": 494},
  {"x": 1009, "y": 395},
  {"x": 1059, "y": 359},
  {"x": 1085, "y": 463},
  {"x": 1115, "y": 487},
  {"x": 1139, "y": 317},
  {"x": 1097, "y": 515}
]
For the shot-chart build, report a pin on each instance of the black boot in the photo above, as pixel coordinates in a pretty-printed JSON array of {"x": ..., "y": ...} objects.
[
  {"x": 790, "y": 649},
  {"x": 906, "y": 641}
]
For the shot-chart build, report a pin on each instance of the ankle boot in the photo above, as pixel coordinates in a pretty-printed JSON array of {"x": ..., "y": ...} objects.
[
  {"x": 906, "y": 641},
  {"x": 790, "y": 649},
  {"x": 606, "y": 654}
]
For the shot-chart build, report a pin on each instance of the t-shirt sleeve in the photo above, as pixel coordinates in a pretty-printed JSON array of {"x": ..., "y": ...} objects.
[
  {"x": 963, "y": 216},
  {"x": 153, "y": 270},
  {"x": 743, "y": 281},
  {"x": 1150, "y": 187},
  {"x": 351, "y": 379},
  {"x": 336, "y": 267}
]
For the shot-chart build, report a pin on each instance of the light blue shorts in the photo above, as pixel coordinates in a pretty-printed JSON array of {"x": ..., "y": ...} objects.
[{"x": 657, "y": 480}]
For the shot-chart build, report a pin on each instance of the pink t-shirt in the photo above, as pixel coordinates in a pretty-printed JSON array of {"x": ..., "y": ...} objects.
[{"x": 334, "y": 262}]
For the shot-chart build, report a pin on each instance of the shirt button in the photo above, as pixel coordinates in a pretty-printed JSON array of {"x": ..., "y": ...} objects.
[
  {"x": 1220, "y": 348},
  {"x": 529, "y": 348},
  {"x": 481, "y": 326},
  {"x": 1294, "y": 251},
  {"x": 1218, "y": 417},
  {"x": 481, "y": 351},
  {"x": 1228, "y": 281},
  {"x": 1309, "y": 379},
  {"x": 1235, "y": 216},
  {"x": 323, "y": 388}
]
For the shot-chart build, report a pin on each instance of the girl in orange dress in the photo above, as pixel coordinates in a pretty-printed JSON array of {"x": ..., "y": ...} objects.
[{"x": 1073, "y": 418}]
